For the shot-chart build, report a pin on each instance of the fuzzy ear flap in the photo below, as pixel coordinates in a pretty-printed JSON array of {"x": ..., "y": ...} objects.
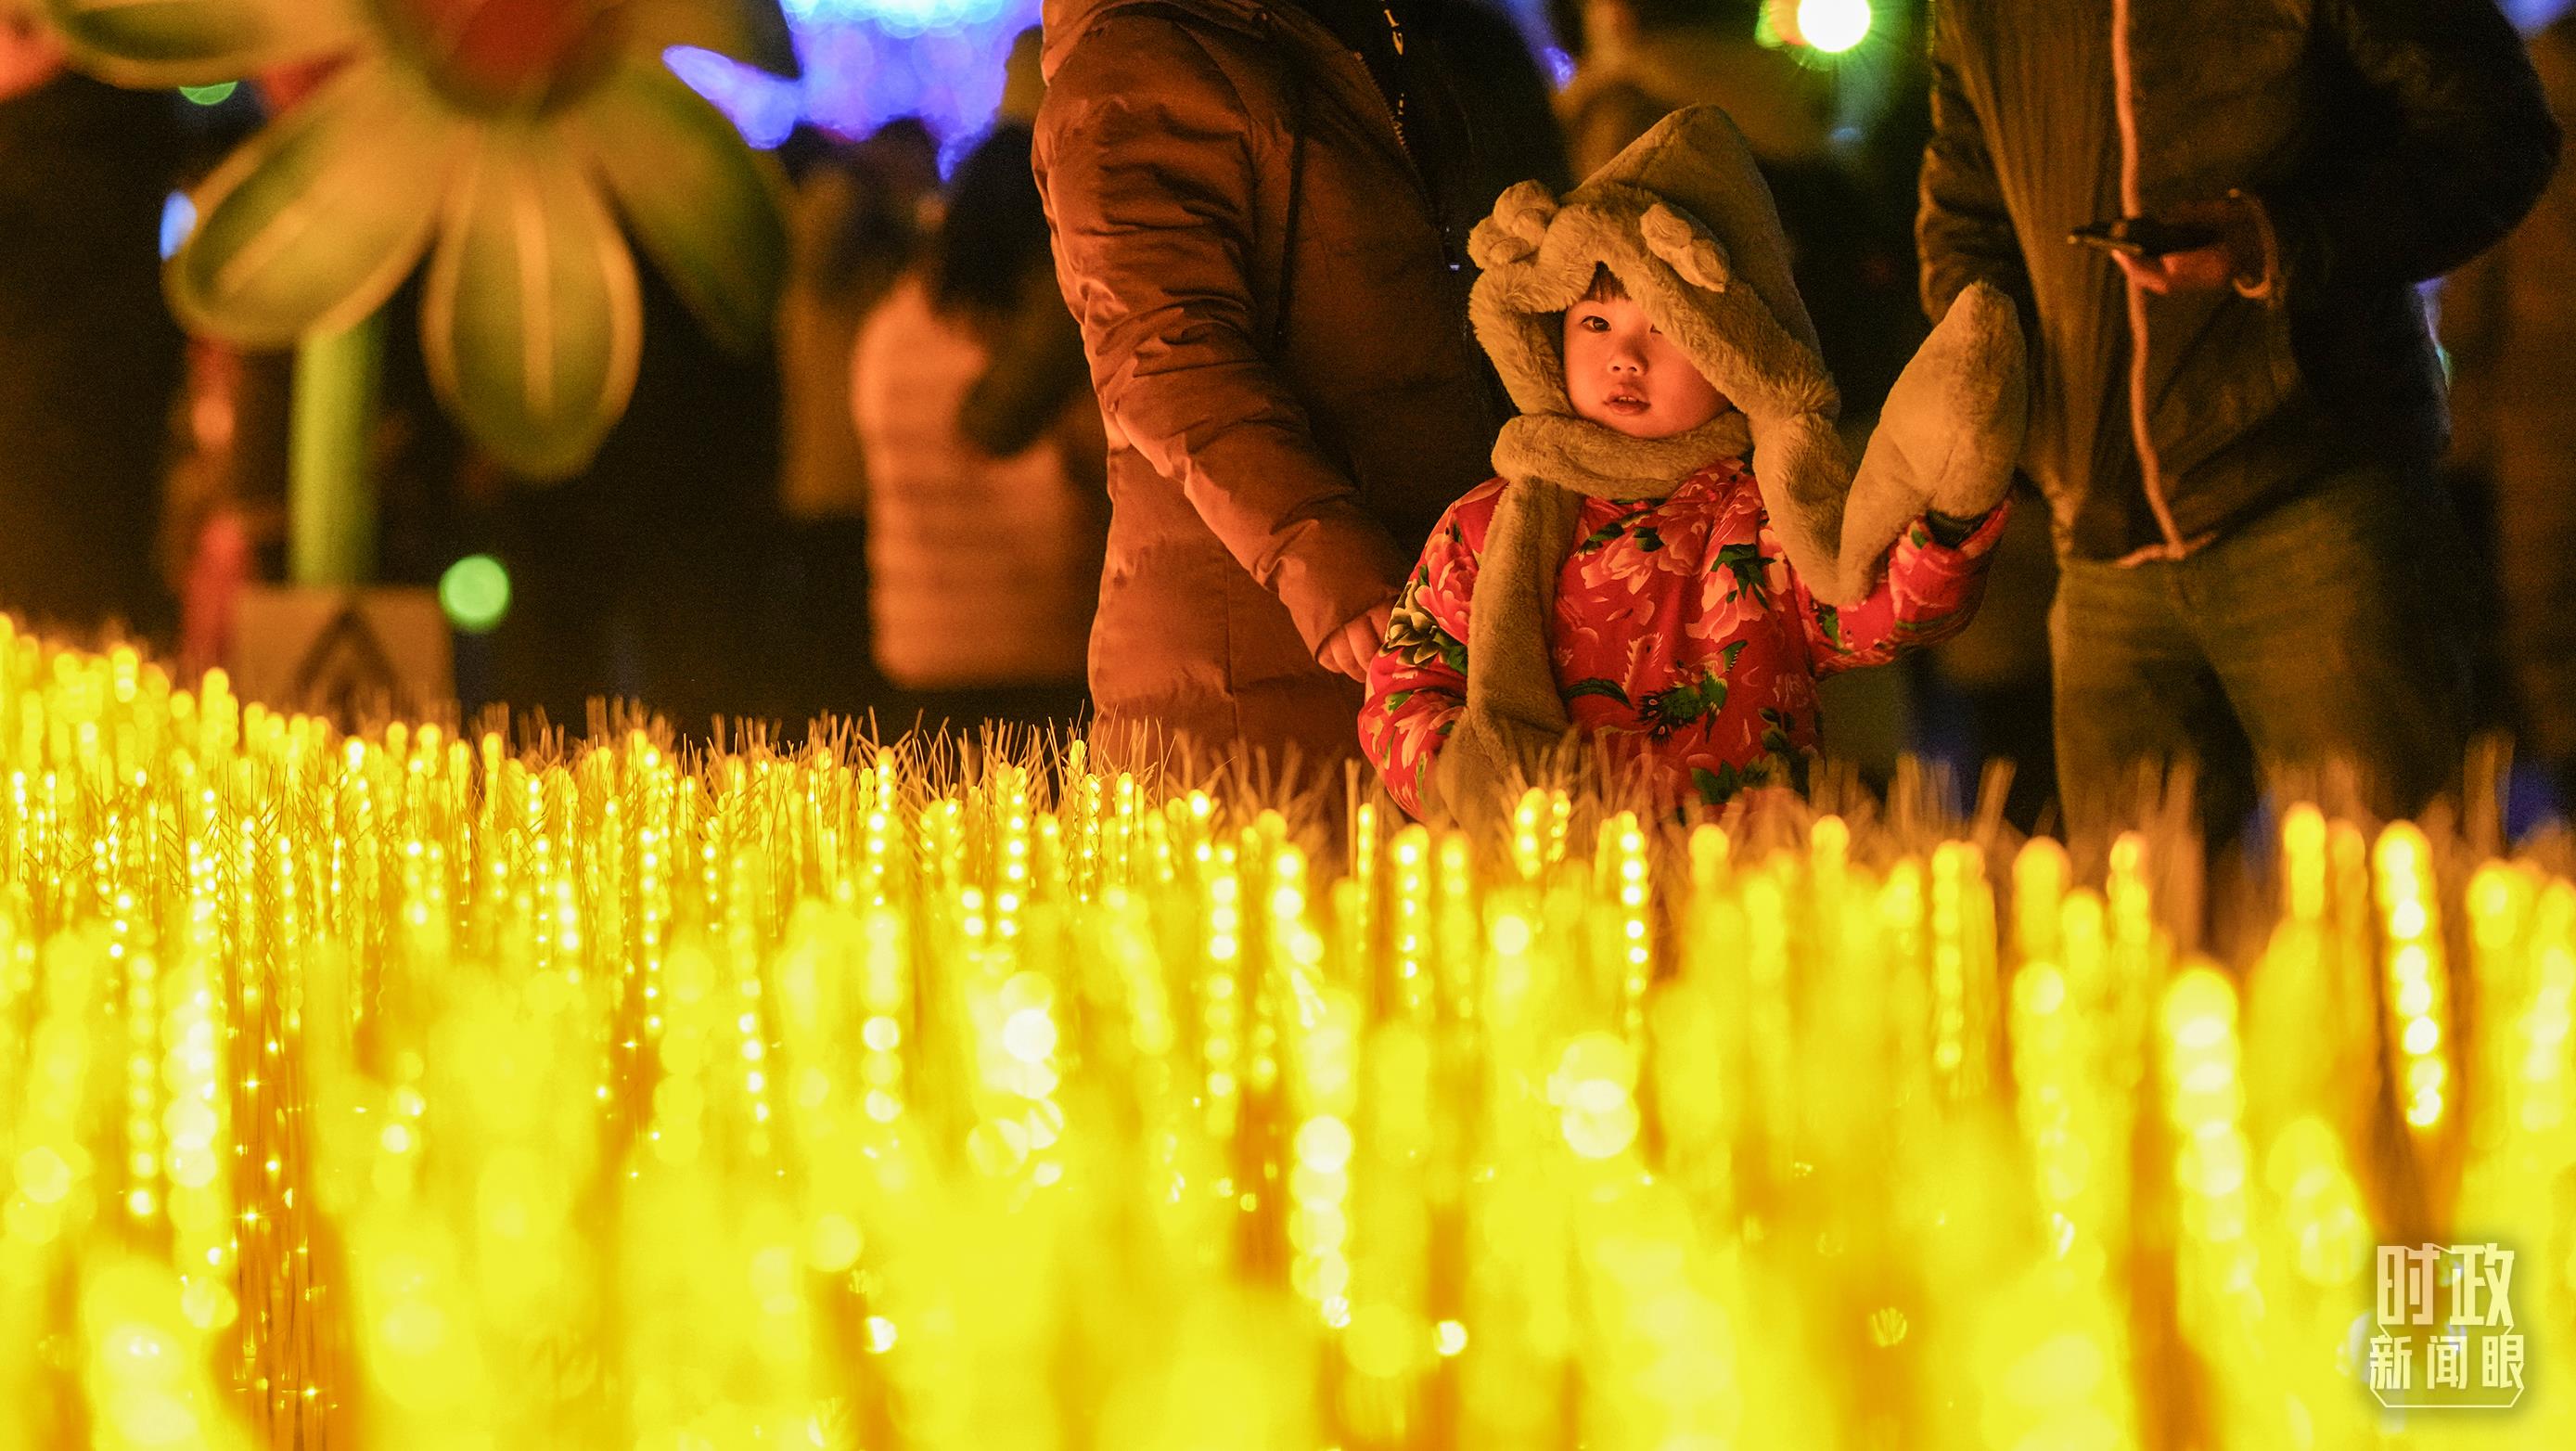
[
  {"x": 1514, "y": 723},
  {"x": 1949, "y": 435},
  {"x": 1516, "y": 228},
  {"x": 1690, "y": 249},
  {"x": 1805, "y": 474}
]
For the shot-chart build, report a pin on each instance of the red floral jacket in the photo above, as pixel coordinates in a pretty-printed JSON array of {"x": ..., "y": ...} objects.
[{"x": 1679, "y": 626}]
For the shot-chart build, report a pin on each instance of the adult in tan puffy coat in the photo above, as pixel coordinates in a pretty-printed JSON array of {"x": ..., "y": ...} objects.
[{"x": 1269, "y": 267}]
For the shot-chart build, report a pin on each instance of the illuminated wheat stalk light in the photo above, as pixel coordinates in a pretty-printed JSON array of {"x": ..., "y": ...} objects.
[
  {"x": 2418, "y": 984},
  {"x": 2213, "y": 1169},
  {"x": 404, "y": 1090}
]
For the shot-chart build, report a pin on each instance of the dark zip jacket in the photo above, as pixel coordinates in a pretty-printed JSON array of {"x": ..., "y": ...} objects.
[{"x": 2389, "y": 140}]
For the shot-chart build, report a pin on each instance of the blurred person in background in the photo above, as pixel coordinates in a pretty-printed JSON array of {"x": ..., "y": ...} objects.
[
  {"x": 2237, "y": 437},
  {"x": 89, "y": 357},
  {"x": 985, "y": 454},
  {"x": 2509, "y": 320},
  {"x": 855, "y": 221},
  {"x": 1260, "y": 215},
  {"x": 1638, "y": 61}
]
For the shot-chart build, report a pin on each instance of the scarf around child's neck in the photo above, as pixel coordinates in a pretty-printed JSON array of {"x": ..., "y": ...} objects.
[{"x": 1551, "y": 463}]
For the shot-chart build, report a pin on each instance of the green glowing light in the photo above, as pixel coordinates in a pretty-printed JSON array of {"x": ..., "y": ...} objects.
[
  {"x": 1833, "y": 26},
  {"x": 214, "y": 95},
  {"x": 475, "y": 593}
]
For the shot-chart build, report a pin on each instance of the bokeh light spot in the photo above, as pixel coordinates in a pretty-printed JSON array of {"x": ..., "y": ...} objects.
[
  {"x": 833, "y": 1244},
  {"x": 178, "y": 219},
  {"x": 1833, "y": 26},
  {"x": 43, "y": 1175},
  {"x": 475, "y": 593}
]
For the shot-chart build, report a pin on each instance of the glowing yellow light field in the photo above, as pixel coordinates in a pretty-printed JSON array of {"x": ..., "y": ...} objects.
[{"x": 410, "y": 1093}]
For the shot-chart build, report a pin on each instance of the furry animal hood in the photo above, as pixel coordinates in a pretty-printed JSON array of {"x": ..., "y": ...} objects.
[
  {"x": 1684, "y": 220},
  {"x": 1686, "y": 223}
]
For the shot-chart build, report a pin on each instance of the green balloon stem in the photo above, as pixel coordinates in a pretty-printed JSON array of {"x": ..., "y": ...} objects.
[{"x": 331, "y": 490}]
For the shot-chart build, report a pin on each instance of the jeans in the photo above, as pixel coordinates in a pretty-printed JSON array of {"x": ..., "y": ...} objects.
[{"x": 2320, "y": 633}]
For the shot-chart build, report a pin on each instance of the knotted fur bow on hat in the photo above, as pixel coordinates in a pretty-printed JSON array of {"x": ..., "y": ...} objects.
[{"x": 1686, "y": 223}]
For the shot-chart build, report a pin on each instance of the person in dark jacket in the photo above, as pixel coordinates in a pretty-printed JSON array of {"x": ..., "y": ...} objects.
[
  {"x": 2509, "y": 319},
  {"x": 1260, "y": 214},
  {"x": 2237, "y": 440}
]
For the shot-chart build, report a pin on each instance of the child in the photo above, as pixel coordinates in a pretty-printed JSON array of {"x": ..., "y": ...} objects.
[{"x": 1678, "y": 545}]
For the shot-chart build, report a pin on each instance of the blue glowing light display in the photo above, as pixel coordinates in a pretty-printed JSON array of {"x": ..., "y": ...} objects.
[
  {"x": 761, "y": 106},
  {"x": 178, "y": 219},
  {"x": 867, "y": 62}
]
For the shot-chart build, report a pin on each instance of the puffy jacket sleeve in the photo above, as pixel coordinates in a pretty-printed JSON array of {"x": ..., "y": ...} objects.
[
  {"x": 1147, "y": 157},
  {"x": 2469, "y": 142},
  {"x": 1928, "y": 593},
  {"x": 1960, "y": 226},
  {"x": 1417, "y": 685}
]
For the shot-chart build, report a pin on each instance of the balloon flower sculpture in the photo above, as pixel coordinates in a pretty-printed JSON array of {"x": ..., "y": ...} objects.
[{"x": 516, "y": 143}]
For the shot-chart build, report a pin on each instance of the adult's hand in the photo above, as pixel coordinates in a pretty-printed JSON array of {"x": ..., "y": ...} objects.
[
  {"x": 1352, "y": 647},
  {"x": 2236, "y": 260}
]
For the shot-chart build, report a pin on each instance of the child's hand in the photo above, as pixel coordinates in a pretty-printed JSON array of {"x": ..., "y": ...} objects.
[{"x": 1351, "y": 649}]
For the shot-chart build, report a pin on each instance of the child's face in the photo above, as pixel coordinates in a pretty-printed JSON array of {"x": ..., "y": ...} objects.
[{"x": 1624, "y": 374}]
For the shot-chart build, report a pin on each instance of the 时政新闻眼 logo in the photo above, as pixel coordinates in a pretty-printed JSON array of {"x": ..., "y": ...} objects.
[{"x": 2445, "y": 1336}]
